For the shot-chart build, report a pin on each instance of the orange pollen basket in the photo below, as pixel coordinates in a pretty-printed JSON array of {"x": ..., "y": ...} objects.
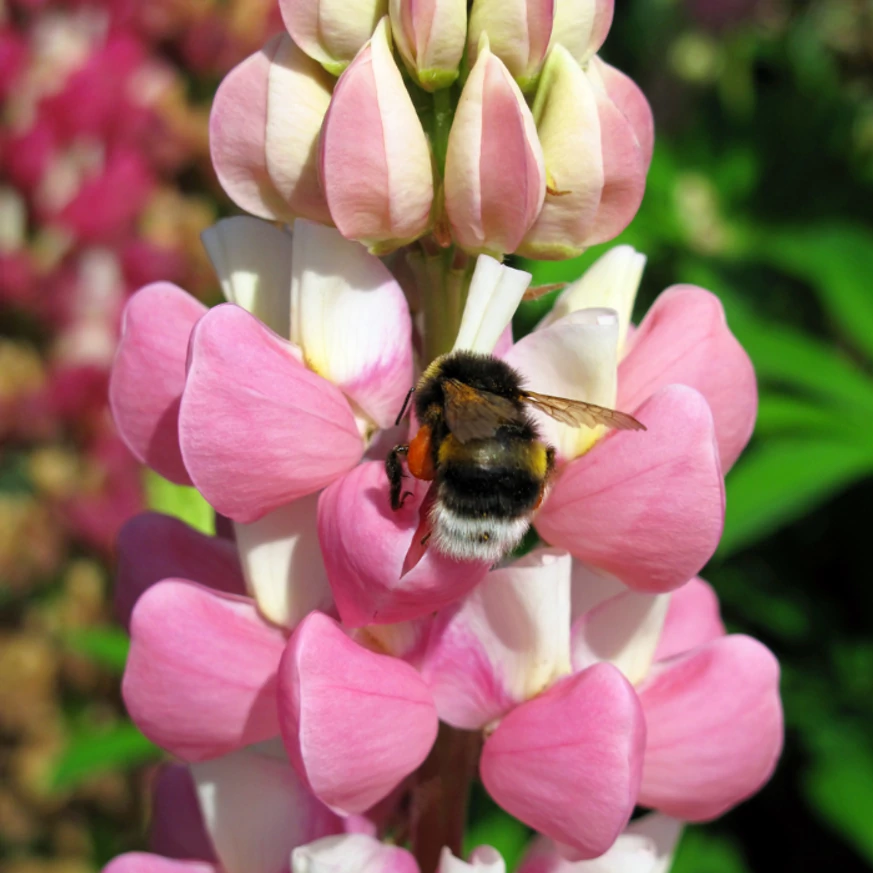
[{"x": 419, "y": 459}]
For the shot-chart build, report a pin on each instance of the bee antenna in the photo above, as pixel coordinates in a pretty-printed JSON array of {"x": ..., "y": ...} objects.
[{"x": 403, "y": 408}]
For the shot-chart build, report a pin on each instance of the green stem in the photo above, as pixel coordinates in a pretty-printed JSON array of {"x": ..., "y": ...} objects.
[{"x": 443, "y": 111}]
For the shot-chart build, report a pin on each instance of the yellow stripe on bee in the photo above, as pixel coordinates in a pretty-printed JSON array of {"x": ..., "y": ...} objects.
[{"x": 531, "y": 456}]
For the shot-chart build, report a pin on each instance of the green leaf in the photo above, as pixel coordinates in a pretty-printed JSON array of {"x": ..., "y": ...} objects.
[
  {"x": 119, "y": 747},
  {"x": 780, "y": 414},
  {"x": 839, "y": 785},
  {"x": 783, "y": 479},
  {"x": 106, "y": 646},
  {"x": 702, "y": 852},
  {"x": 837, "y": 261},
  {"x": 786, "y": 357},
  {"x": 500, "y": 830},
  {"x": 179, "y": 501}
]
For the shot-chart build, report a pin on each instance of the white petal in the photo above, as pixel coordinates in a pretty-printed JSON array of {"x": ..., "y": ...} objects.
[
  {"x": 483, "y": 858},
  {"x": 646, "y": 846},
  {"x": 252, "y": 259},
  {"x": 507, "y": 642},
  {"x": 576, "y": 357},
  {"x": 352, "y": 853},
  {"x": 623, "y": 631},
  {"x": 350, "y": 317},
  {"x": 256, "y": 810},
  {"x": 282, "y": 562},
  {"x": 611, "y": 282},
  {"x": 494, "y": 295},
  {"x": 590, "y": 587}
]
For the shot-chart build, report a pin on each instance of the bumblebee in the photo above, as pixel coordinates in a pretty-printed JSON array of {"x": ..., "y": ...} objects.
[{"x": 481, "y": 449}]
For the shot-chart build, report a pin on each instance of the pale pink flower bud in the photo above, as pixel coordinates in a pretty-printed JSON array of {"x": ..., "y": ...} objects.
[
  {"x": 495, "y": 178},
  {"x": 596, "y": 155},
  {"x": 581, "y": 26},
  {"x": 430, "y": 34},
  {"x": 263, "y": 130},
  {"x": 519, "y": 32},
  {"x": 332, "y": 31},
  {"x": 375, "y": 159}
]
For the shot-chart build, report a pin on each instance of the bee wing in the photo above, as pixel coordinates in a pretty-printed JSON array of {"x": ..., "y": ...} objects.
[
  {"x": 472, "y": 414},
  {"x": 577, "y": 413}
]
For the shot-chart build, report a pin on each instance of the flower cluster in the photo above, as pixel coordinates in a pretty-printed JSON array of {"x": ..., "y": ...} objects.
[
  {"x": 595, "y": 668},
  {"x": 330, "y": 681},
  {"x": 498, "y": 129}
]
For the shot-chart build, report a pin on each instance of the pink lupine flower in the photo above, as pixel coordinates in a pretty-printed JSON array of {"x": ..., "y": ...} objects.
[
  {"x": 330, "y": 361},
  {"x": 518, "y": 32},
  {"x": 683, "y": 364},
  {"x": 355, "y": 723},
  {"x": 499, "y": 661},
  {"x": 596, "y": 131},
  {"x": 332, "y": 31},
  {"x": 495, "y": 178},
  {"x": 376, "y": 571},
  {"x": 430, "y": 38},
  {"x": 581, "y": 26},
  {"x": 374, "y": 160},
  {"x": 263, "y": 132},
  {"x": 565, "y": 751}
]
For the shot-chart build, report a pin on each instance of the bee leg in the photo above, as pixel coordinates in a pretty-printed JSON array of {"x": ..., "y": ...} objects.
[{"x": 394, "y": 469}]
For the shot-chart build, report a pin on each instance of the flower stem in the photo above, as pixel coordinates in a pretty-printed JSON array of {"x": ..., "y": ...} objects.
[
  {"x": 443, "y": 112},
  {"x": 440, "y": 797}
]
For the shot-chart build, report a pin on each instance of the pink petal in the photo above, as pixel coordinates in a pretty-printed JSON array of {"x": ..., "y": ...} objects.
[
  {"x": 693, "y": 619},
  {"x": 152, "y": 547},
  {"x": 624, "y": 164},
  {"x": 200, "y": 679},
  {"x": 685, "y": 339},
  {"x": 177, "y": 828},
  {"x": 714, "y": 728},
  {"x": 257, "y": 810},
  {"x": 375, "y": 161},
  {"x": 354, "y": 853},
  {"x": 238, "y": 136},
  {"x": 628, "y": 97},
  {"x": 495, "y": 178},
  {"x": 568, "y": 762},
  {"x": 504, "y": 644},
  {"x": 142, "y": 862},
  {"x": 257, "y": 428},
  {"x": 355, "y": 723},
  {"x": 365, "y": 545},
  {"x": 149, "y": 373},
  {"x": 647, "y": 507}
]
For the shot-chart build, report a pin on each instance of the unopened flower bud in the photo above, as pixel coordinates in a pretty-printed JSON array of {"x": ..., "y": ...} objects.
[
  {"x": 375, "y": 161},
  {"x": 495, "y": 178},
  {"x": 332, "y": 31},
  {"x": 595, "y": 160},
  {"x": 581, "y": 26},
  {"x": 263, "y": 130},
  {"x": 430, "y": 35},
  {"x": 518, "y": 31}
]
